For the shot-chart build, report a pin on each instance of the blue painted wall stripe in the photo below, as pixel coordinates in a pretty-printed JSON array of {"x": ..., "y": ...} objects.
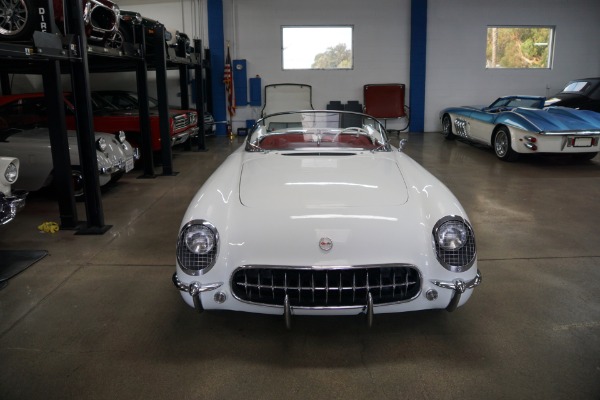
[
  {"x": 418, "y": 60},
  {"x": 216, "y": 40}
]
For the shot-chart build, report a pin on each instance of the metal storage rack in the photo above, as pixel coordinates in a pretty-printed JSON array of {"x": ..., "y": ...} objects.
[{"x": 50, "y": 55}]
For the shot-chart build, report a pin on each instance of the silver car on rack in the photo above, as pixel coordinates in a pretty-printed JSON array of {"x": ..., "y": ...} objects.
[
  {"x": 114, "y": 154},
  {"x": 11, "y": 201}
]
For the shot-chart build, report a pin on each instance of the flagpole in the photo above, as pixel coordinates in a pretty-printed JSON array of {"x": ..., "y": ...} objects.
[{"x": 228, "y": 80}]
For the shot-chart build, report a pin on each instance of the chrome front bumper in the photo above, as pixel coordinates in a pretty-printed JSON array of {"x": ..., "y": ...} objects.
[
  {"x": 194, "y": 289},
  {"x": 10, "y": 205},
  {"x": 458, "y": 286},
  {"x": 124, "y": 165},
  {"x": 181, "y": 137}
]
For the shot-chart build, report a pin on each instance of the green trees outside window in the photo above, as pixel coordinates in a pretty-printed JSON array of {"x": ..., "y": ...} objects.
[{"x": 519, "y": 47}]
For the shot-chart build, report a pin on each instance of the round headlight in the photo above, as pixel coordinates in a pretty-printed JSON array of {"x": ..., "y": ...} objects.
[
  {"x": 199, "y": 239},
  {"x": 121, "y": 137},
  {"x": 197, "y": 247},
  {"x": 454, "y": 243},
  {"x": 11, "y": 173},
  {"x": 452, "y": 235},
  {"x": 101, "y": 144}
]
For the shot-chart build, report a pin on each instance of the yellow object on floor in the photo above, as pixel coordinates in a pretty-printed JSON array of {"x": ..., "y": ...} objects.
[{"x": 48, "y": 227}]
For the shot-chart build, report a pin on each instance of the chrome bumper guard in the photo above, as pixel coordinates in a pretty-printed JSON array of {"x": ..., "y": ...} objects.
[
  {"x": 11, "y": 205},
  {"x": 194, "y": 289},
  {"x": 459, "y": 287}
]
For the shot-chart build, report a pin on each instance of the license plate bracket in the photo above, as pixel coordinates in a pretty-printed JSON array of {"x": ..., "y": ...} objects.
[
  {"x": 582, "y": 142},
  {"x": 129, "y": 164}
]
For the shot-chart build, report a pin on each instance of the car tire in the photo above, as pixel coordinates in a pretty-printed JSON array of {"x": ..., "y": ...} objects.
[
  {"x": 447, "y": 127},
  {"x": 502, "y": 145},
  {"x": 77, "y": 179},
  {"x": 23, "y": 30}
]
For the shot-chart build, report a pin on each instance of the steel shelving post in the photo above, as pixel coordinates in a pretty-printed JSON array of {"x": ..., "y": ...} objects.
[{"x": 84, "y": 121}]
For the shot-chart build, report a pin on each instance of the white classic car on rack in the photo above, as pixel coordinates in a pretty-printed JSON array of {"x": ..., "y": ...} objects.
[
  {"x": 115, "y": 157},
  {"x": 318, "y": 214},
  {"x": 11, "y": 201}
]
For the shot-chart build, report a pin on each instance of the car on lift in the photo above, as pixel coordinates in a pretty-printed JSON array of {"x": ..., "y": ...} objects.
[
  {"x": 24, "y": 133},
  {"x": 318, "y": 214},
  {"x": 11, "y": 200},
  {"x": 521, "y": 125},
  {"x": 128, "y": 100},
  {"x": 114, "y": 155},
  {"x": 182, "y": 124},
  {"x": 126, "y": 33},
  {"x": 583, "y": 94},
  {"x": 20, "y": 18}
]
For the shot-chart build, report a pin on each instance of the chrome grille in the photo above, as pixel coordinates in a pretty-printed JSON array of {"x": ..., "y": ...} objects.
[
  {"x": 181, "y": 121},
  {"x": 319, "y": 287}
]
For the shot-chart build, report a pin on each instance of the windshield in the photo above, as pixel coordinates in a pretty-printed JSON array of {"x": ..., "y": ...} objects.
[
  {"x": 317, "y": 130},
  {"x": 524, "y": 102},
  {"x": 577, "y": 86}
]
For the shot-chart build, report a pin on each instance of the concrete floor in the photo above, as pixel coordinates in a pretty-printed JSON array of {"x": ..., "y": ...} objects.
[{"x": 99, "y": 318}]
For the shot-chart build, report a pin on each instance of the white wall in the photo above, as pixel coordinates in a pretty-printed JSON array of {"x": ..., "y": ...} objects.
[
  {"x": 456, "y": 40},
  {"x": 381, "y": 43}
]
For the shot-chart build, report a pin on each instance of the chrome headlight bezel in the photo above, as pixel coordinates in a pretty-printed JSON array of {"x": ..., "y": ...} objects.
[
  {"x": 454, "y": 243},
  {"x": 197, "y": 262},
  {"x": 101, "y": 144},
  {"x": 11, "y": 173}
]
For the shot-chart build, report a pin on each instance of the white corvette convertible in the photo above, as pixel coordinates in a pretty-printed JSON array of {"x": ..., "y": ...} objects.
[{"x": 317, "y": 214}]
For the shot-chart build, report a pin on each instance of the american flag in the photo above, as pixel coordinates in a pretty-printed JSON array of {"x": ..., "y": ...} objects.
[{"x": 228, "y": 80}]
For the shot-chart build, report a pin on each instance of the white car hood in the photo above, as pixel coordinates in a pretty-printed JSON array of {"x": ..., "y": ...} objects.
[{"x": 276, "y": 180}]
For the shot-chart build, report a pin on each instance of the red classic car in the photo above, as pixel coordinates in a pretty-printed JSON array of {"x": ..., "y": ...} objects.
[
  {"x": 183, "y": 124},
  {"x": 19, "y": 18}
]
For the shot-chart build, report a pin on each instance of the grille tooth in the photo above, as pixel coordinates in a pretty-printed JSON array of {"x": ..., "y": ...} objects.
[{"x": 322, "y": 288}]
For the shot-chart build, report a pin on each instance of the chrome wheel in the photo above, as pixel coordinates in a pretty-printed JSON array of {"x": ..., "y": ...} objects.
[
  {"x": 13, "y": 17},
  {"x": 501, "y": 144}
]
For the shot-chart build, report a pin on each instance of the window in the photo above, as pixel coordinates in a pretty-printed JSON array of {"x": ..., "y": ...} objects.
[
  {"x": 317, "y": 47},
  {"x": 519, "y": 46}
]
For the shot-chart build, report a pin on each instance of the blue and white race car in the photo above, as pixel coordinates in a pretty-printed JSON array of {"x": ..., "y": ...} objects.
[{"x": 514, "y": 125}]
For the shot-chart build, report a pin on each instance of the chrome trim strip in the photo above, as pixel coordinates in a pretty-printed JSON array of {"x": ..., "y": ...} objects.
[{"x": 571, "y": 133}]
